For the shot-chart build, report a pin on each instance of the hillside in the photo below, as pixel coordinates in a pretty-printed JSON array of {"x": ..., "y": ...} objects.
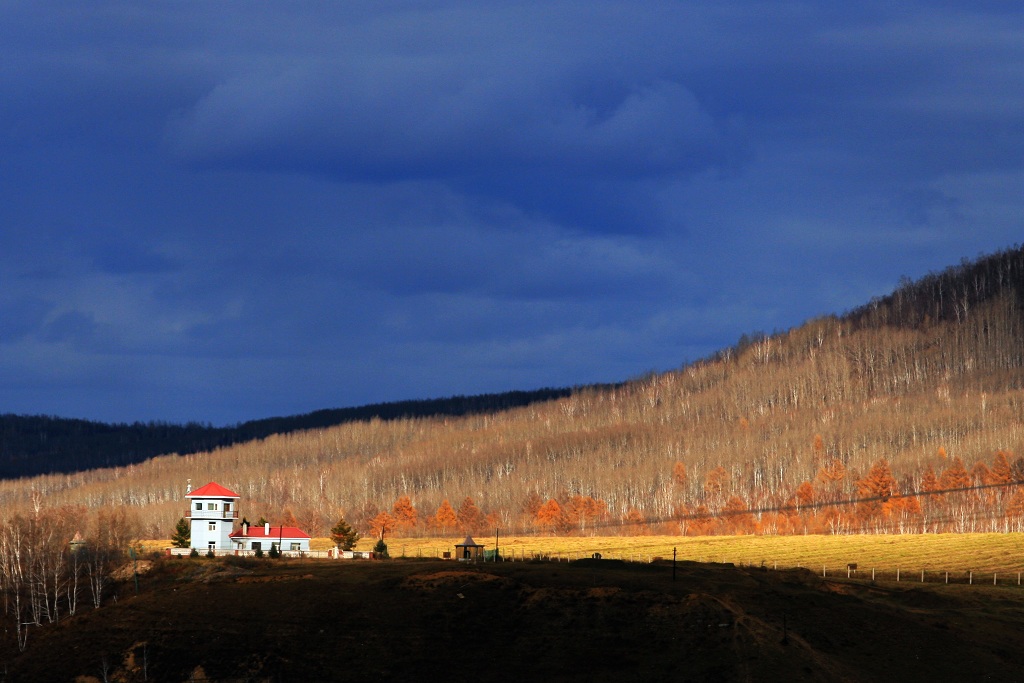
[
  {"x": 589, "y": 620},
  {"x": 913, "y": 393}
]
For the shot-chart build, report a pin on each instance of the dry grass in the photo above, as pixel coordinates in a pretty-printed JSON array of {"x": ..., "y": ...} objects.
[{"x": 981, "y": 553}]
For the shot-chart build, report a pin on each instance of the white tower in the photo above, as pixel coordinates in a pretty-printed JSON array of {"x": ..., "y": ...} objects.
[{"x": 213, "y": 510}]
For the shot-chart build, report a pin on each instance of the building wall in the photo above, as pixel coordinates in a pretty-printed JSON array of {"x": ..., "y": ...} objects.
[
  {"x": 246, "y": 543},
  {"x": 212, "y": 526}
]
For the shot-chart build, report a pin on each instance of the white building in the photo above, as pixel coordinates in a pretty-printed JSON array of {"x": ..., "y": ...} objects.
[
  {"x": 286, "y": 538},
  {"x": 213, "y": 510}
]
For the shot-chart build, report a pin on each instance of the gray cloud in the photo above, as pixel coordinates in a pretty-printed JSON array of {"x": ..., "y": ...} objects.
[{"x": 219, "y": 213}]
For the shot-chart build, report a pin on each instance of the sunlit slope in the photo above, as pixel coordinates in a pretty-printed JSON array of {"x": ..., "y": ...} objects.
[{"x": 926, "y": 378}]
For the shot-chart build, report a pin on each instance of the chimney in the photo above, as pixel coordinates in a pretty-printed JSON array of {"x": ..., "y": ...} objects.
[
  {"x": 245, "y": 527},
  {"x": 266, "y": 528}
]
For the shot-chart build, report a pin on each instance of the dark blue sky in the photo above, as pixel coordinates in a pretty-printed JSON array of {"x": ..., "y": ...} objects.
[{"x": 222, "y": 211}]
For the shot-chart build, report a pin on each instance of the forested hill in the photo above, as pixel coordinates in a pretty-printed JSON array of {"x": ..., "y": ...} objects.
[
  {"x": 37, "y": 444},
  {"x": 901, "y": 415}
]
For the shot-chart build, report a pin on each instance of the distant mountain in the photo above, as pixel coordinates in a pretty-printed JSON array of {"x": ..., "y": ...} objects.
[{"x": 36, "y": 444}]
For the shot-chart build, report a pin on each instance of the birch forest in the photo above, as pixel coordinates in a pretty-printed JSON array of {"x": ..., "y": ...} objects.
[{"x": 902, "y": 416}]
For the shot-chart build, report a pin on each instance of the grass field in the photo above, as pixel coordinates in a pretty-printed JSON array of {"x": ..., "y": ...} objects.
[{"x": 979, "y": 553}]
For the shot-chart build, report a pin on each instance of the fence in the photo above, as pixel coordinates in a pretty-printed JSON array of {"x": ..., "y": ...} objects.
[{"x": 850, "y": 571}]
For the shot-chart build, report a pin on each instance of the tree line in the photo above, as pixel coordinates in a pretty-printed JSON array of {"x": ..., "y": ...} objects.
[
  {"x": 47, "y": 568},
  {"x": 42, "y": 444}
]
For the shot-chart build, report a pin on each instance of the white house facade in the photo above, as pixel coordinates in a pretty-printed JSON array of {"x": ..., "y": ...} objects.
[
  {"x": 212, "y": 510},
  {"x": 285, "y": 538}
]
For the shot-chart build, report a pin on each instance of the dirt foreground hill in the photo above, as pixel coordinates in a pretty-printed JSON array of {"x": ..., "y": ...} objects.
[{"x": 593, "y": 620}]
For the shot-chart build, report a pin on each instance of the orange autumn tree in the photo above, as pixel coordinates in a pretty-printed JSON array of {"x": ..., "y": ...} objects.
[
  {"x": 998, "y": 477},
  {"x": 382, "y": 525},
  {"x": 470, "y": 518},
  {"x": 549, "y": 517},
  {"x": 1002, "y": 471},
  {"x": 701, "y": 522},
  {"x": 404, "y": 514},
  {"x": 445, "y": 517},
  {"x": 877, "y": 487},
  {"x": 831, "y": 476},
  {"x": 716, "y": 484},
  {"x": 736, "y": 518},
  {"x": 679, "y": 476},
  {"x": 636, "y": 523},
  {"x": 1015, "y": 511},
  {"x": 583, "y": 510}
]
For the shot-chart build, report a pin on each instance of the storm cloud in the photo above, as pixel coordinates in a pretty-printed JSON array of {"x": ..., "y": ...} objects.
[{"x": 220, "y": 212}]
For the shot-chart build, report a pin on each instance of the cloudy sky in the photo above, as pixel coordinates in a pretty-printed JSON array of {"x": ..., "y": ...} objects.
[{"x": 222, "y": 211}]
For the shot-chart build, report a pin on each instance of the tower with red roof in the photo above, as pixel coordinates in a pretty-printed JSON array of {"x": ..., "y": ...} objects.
[{"x": 212, "y": 510}]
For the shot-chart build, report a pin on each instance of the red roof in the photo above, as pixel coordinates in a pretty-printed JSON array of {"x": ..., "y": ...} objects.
[
  {"x": 275, "y": 532},
  {"x": 212, "y": 490}
]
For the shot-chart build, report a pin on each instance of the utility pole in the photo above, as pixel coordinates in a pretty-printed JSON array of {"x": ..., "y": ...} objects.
[{"x": 495, "y": 544}]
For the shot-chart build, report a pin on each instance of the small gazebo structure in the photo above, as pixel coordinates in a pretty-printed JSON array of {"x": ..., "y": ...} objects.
[{"x": 469, "y": 550}]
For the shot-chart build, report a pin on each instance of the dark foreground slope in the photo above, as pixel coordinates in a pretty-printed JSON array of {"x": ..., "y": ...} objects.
[{"x": 589, "y": 620}]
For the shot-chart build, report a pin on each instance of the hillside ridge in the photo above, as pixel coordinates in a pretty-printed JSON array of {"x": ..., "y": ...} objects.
[
  {"x": 870, "y": 406},
  {"x": 43, "y": 444}
]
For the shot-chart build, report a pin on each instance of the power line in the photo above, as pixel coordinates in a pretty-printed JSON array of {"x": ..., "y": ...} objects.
[{"x": 815, "y": 505}]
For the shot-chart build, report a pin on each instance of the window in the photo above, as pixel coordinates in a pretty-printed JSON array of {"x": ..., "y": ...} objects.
[
  {"x": 256, "y": 545},
  {"x": 213, "y": 526},
  {"x": 296, "y": 546},
  {"x": 199, "y": 506},
  {"x": 211, "y": 506}
]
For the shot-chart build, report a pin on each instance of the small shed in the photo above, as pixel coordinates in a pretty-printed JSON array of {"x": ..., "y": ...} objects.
[{"x": 469, "y": 550}]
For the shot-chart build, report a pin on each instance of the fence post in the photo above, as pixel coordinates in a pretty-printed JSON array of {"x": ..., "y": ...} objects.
[
  {"x": 823, "y": 571},
  {"x": 947, "y": 577},
  {"x": 922, "y": 576},
  {"x": 897, "y": 574},
  {"x": 994, "y": 579},
  {"x": 872, "y": 574},
  {"x": 970, "y": 578}
]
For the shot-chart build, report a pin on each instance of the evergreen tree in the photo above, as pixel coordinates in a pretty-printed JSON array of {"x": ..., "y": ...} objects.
[
  {"x": 381, "y": 550},
  {"x": 343, "y": 535},
  {"x": 182, "y": 537}
]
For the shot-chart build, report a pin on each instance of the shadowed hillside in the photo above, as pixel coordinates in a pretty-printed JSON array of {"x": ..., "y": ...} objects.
[
  {"x": 914, "y": 394},
  {"x": 588, "y": 621},
  {"x": 39, "y": 444}
]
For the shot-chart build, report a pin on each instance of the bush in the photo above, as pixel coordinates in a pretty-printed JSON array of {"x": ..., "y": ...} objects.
[
  {"x": 242, "y": 562},
  {"x": 258, "y": 552},
  {"x": 274, "y": 551},
  {"x": 194, "y": 553},
  {"x": 210, "y": 553},
  {"x": 381, "y": 550}
]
